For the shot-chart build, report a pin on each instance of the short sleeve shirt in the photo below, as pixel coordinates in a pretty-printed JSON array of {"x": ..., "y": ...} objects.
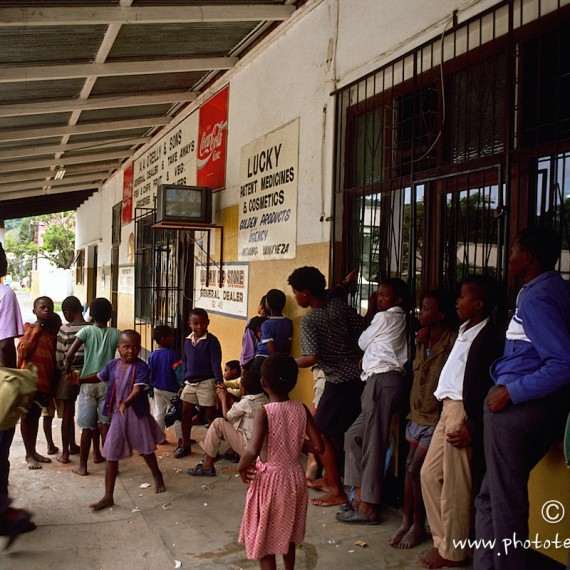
[
  {"x": 100, "y": 345},
  {"x": 331, "y": 332},
  {"x": 11, "y": 325},
  {"x": 276, "y": 329},
  {"x": 65, "y": 338}
]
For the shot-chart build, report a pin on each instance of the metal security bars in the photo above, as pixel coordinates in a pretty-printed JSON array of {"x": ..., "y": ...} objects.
[
  {"x": 553, "y": 201},
  {"x": 430, "y": 180}
]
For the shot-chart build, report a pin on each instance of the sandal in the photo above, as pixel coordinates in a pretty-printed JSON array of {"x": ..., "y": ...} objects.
[
  {"x": 181, "y": 451},
  {"x": 201, "y": 471}
]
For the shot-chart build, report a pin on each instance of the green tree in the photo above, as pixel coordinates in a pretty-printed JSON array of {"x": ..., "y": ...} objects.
[{"x": 57, "y": 240}]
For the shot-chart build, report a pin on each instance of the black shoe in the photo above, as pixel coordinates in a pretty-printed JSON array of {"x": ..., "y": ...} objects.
[
  {"x": 181, "y": 451},
  {"x": 201, "y": 471},
  {"x": 233, "y": 457},
  {"x": 354, "y": 517}
]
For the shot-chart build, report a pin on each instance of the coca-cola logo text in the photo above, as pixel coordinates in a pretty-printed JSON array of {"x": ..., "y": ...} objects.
[{"x": 213, "y": 140}]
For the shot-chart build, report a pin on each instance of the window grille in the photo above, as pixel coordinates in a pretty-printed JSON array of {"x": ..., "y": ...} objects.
[
  {"x": 545, "y": 87},
  {"x": 472, "y": 232},
  {"x": 116, "y": 225},
  {"x": 164, "y": 271},
  {"x": 381, "y": 249},
  {"x": 476, "y": 126},
  {"x": 80, "y": 268},
  {"x": 144, "y": 264},
  {"x": 553, "y": 201},
  {"x": 427, "y": 149}
]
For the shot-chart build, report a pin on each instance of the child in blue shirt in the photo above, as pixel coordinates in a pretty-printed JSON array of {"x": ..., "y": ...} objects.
[
  {"x": 276, "y": 331},
  {"x": 203, "y": 371},
  {"x": 166, "y": 374}
]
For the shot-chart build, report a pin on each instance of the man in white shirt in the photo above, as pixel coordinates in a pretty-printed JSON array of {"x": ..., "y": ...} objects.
[{"x": 366, "y": 441}]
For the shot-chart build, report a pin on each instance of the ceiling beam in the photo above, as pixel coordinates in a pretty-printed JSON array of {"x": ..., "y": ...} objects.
[
  {"x": 40, "y": 150},
  {"x": 88, "y": 180},
  {"x": 95, "y": 103},
  {"x": 35, "y": 193},
  {"x": 46, "y": 173},
  {"x": 100, "y": 15},
  {"x": 114, "y": 69},
  {"x": 83, "y": 128},
  {"x": 65, "y": 161}
]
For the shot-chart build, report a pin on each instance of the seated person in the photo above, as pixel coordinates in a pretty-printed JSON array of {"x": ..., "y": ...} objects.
[
  {"x": 237, "y": 424},
  {"x": 232, "y": 380}
]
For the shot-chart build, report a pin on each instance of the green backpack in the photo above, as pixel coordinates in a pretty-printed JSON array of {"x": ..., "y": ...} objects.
[{"x": 17, "y": 391}]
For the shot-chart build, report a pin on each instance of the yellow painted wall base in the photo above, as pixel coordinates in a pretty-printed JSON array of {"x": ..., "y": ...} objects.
[
  {"x": 550, "y": 481},
  {"x": 126, "y": 311},
  {"x": 265, "y": 275}
]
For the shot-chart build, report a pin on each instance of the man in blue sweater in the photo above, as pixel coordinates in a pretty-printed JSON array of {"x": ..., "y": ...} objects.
[
  {"x": 525, "y": 410},
  {"x": 203, "y": 364}
]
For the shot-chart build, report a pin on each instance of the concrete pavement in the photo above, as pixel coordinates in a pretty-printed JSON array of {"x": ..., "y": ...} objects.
[{"x": 195, "y": 523}]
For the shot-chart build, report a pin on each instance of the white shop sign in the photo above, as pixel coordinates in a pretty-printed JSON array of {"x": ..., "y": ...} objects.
[
  {"x": 172, "y": 160},
  {"x": 231, "y": 297},
  {"x": 268, "y": 196}
]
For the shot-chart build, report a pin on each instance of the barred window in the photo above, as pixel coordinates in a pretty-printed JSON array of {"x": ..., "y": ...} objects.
[{"x": 80, "y": 267}]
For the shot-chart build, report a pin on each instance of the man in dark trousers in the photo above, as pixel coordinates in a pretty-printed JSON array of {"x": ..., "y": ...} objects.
[{"x": 525, "y": 410}]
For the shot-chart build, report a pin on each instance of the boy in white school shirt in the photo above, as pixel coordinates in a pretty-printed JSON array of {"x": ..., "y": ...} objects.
[{"x": 454, "y": 464}]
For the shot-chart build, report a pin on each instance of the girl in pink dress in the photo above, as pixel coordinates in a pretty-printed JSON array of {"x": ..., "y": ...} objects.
[
  {"x": 132, "y": 426},
  {"x": 276, "y": 505}
]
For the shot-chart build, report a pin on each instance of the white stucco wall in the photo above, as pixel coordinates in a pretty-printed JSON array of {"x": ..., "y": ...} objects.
[
  {"x": 289, "y": 79},
  {"x": 293, "y": 74},
  {"x": 95, "y": 216}
]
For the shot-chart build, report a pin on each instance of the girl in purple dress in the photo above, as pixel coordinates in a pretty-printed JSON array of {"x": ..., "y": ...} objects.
[
  {"x": 276, "y": 505},
  {"x": 132, "y": 425}
]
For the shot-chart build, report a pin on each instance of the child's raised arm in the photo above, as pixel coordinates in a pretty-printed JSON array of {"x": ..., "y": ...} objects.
[
  {"x": 315, "y": 442},
  {"x": 260, "y": 426}
]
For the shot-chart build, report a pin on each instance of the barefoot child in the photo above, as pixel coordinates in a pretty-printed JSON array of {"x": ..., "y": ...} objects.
[
  {"x": 37, "y": 346},
  {"x": 99, "y": 342},
  {"x": 433, "y": 345},
  {"x": 329, "y": 340},
  {"x": 67, "y": 393},
  {"x": 276, "y": 505},
  {"x": 132, "y": 426}
]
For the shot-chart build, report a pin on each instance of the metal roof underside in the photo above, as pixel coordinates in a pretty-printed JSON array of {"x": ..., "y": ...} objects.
[{"x": 84, "y": 84}]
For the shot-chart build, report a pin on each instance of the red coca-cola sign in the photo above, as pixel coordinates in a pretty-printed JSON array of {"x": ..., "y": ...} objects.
[
  {"x": 212, "y": 141},
  {"x": 128, "y": 195}
]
